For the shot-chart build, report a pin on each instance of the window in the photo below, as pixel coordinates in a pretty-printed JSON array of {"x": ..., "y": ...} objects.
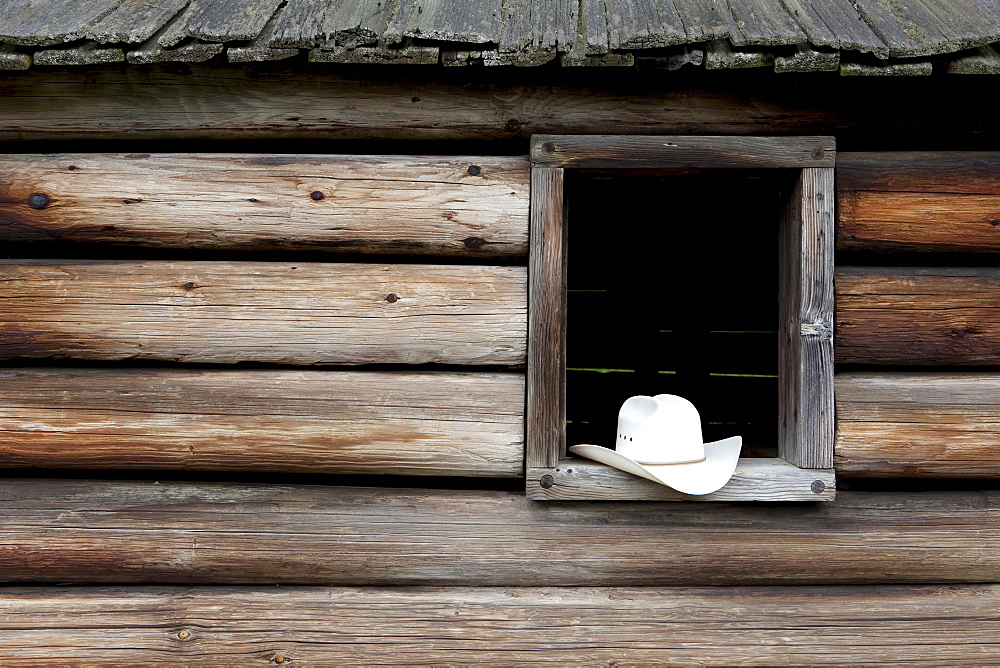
[{"x": 802, "y": 471}]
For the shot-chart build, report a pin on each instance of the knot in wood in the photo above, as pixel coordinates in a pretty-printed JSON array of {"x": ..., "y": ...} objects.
[
  {"x": 392, "y": 298},
  {"x": 995, "y": 223},
  {"x": 38, "y": 200},
  {"x": 184, "y": 634},
  {"x": 474, "y": 242},
  {"x": 546, "y": 481}
]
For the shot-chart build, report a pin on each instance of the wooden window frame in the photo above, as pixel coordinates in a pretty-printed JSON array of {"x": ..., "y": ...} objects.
[{"x": 803, "y": 470}]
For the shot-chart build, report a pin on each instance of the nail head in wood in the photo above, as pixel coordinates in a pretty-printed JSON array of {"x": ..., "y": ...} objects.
[
  {"x": 392, "y": 298},
  {"x": 818, "y": 153},
  {"x": 818, "y": 486},
  {"x": 38, "y": 200},
  {"x": 475, "y": 170},
  {"x": 548, "y": 147},
  {"x": 546, "y": 481},
  {"x": 317, "y": 195}
]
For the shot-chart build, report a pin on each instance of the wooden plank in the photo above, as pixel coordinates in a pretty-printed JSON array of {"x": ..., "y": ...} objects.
[
  {"x": 473, "y": 206},
  {"x": 755, "y": 479},
  {"x": 643, "y": 24},
  {"x": 219, "y": 21},
  {"x": 465, "y": 21},
  {"x": 918, "y": 425},
  {"x": 805, "y": 345},
  {"x": 546, "y": 408},
  {"x": 919, "y": 201},
  {"x": 185, "y": 533},
  {"x": 50, "y": 21},
  {"x": 834, "y": 24},
  {"x": 134, "y": 22},
  {"x": 398, "y": 423},
  {"x": 764, "y": 23},
  {"x": 280, "y": 100},
  {"x": 932, "y": 316},
  {"x": 531, "y": 32},
  {"x": 915, "y": 625},
  {"x": 610, "y": 151},
  {"x": 226, "y": 312}
]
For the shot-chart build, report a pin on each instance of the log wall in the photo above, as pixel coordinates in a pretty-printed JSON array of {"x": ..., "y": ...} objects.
[
  {"x": 915, "y": 625},
  {"x": 417, "y": 423},
  {"x": 942, "y": 209},
  {"x": 465, "y": 206}
]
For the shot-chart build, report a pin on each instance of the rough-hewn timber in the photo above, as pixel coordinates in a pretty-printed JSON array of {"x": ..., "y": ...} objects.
[
  {"x": 452, "y": 424},
  {"x": 283, "y": 101},
  {"x": 755, "y": 479},
  {"x": 806, "y": 305},
  {"x": 475, "y": 206},
  {"x": 930, "y": 316},
  {"x": 167, "y": 532},
  {"x": 917, "y": 425},
  {"x": 914, "y": 625},
  {"x": 226, "y": 312},
  {"x": 919, "y": 201}
]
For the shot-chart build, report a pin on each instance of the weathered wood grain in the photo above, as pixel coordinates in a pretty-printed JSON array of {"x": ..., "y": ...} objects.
[
  {"x": 918, "y": 425},
  {"x": 134, "y": 22},
  {"x": 170, "y": 532},
  {"x": 755, "y": 479},
  {"x": 452, "y": 424},
  {"x": 919, "y": 201},
  {"x": 546, "y": 376},
  {"x": 463, "y": 21},
  {"x": 596, "y": 151},
  {"x": 226, "y": 312},
  {"x": 806, "y": 302},
  {"x": 281, "y": 101},
  {"x": 926, "y": 316},
  {"x": 915, "y": 625},
  {"x": 52, "y": 22},
  {"x": 475, "y": 206},
  {"x": 219, "y": 21}
]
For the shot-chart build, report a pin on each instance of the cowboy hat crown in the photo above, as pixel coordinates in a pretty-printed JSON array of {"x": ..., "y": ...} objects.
[{"x": 665, "y": 429}]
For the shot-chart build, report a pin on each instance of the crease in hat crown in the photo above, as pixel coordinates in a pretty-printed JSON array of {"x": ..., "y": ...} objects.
[{"x": 664, "y": 429}]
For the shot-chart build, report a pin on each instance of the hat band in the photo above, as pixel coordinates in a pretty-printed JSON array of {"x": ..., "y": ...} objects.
[{"x": 691, "y": 461}]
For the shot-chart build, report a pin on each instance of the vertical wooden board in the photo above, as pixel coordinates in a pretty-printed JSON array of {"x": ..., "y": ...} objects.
[
  {"x": 546, "y": 419},
  {"x": 806, "y": 340}
]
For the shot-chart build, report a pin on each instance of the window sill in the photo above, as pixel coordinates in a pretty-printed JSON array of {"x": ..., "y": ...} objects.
[{"x": 756, "y": 479}]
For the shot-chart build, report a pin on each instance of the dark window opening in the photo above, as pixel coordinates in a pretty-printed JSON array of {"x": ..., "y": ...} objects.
[{"x": 673, "y": 288}]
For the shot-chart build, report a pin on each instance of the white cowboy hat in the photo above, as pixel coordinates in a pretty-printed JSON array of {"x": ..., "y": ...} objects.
[{"x": 659, "y": 438}]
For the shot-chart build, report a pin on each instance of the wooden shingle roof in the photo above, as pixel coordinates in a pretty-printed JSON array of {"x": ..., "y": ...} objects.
[{"x": 852, "y": 36}]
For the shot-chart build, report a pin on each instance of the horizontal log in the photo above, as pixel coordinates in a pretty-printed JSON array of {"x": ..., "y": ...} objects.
[
  {"x": 755, "y": 479},
  {"x": 915, "y": 625},
  {"x": 659, "y": 152},
  {"x": 918, "y": 425},
  {"x": 919, "y": 201},
  {"x": 185, "y": 533},
  {"x": 282, "y": 100},
  {"x": 475, "y": 206},
  {"x": 453, "y": 424},
  {"x": 947, "y": 316},
  {"x": 225, "y": 312}
]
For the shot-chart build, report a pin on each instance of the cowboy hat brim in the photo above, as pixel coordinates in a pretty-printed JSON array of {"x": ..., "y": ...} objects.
[{"x": 704, "y": 477}]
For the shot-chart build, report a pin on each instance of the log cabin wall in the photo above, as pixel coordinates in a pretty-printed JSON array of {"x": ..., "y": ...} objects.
[{"x": 120, "y": 358}]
